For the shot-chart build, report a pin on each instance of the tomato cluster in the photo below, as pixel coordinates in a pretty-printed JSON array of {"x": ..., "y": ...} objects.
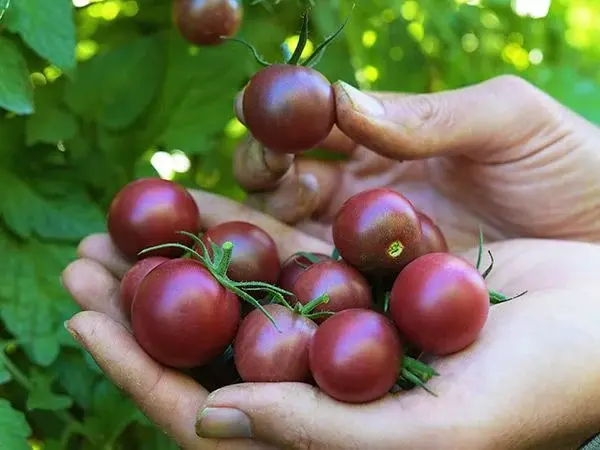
[{"x": 354, "y": 323}]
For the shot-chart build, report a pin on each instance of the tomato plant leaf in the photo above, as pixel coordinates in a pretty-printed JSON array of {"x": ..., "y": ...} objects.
[
  {"x": 123, "y": 412},
  {"x": 33, "y": 304},
  {"x": 47, "y": 26},
  {"x": 107, "y": 95},
  {"x": 41, "y": 395},
  {"x": 14, "y": 429},
  {"x": 16, "y": 93},
  {"x": 52, "y": 122},
  {"x": 75, "y": 376},
  {"x": 69, "y": 216}
]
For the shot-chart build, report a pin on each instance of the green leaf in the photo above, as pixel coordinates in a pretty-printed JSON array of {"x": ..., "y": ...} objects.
[
  {"x": 75, "y": 376},
  {"x": 51, "y": 122},
  {"x": 197, "y": 97},
  {"x": 33, "y": 304},
  {"x": 47, "y": 26},
  {"x": 123, "y": 412},
  {"x": 27, "y": 212},
  {"x": 41, "y": 395},
  {"x": 16, "y": 92},
  {"x": 109, "y": 95},
  {"x": 14, "y": 429}
]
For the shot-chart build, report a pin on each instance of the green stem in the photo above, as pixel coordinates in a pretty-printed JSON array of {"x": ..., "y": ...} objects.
[
  {"x": 225, "y": 260},
  {"x": 310, "y": 306},
  {"x": 302, "y": 39},
  {"x": 480, "y": 248},
  {"x": 316, "y": 56}
]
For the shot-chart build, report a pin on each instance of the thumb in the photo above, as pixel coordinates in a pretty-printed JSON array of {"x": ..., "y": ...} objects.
[
  {"x": 491, "y": 122},
  {"x": 293, "y": 416}
]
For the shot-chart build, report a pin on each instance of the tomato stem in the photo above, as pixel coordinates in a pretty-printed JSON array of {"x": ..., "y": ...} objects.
[
  {"x": 480, "y": 248},
  {"x": 218, "y": 265},
  {"x": 318, "y": 53},
  {"x": 335, "y": 254},
  {"x": 497, "y": 297},
  {"x": 302, "y": 39},
  {"x": 310, "y": 306},
  {"x": 395, "y": 249},
  {"x": 259, "y": 59},
  {"x": 487, "y": 271}
]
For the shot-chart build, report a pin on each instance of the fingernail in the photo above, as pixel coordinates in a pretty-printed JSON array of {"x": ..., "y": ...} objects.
[
  {"x": 361, "y": 102},
  {"x": 238, "y": 107},
  {"x": 223, "y": 423},
  {"x": 71, "y": 331}
]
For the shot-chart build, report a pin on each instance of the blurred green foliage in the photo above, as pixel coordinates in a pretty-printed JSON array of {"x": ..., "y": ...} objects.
[{"x": 94, "y": 94}]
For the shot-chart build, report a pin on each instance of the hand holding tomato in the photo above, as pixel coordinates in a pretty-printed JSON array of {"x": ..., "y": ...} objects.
[
  {"x": 501, "y": 154},
  {"x": 534, "y": 366}
]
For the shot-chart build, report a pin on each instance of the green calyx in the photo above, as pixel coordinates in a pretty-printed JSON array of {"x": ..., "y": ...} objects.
[
  {"x": 294, "y": 58},
  {"x": 218, "y": 265}
]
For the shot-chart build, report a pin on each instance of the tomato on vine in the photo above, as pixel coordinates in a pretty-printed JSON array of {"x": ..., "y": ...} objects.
[{"x": 206, "y": 22}]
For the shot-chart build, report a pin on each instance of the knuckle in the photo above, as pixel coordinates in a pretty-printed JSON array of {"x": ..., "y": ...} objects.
[
  {"x": 514, "y": 85},
  {"x": 432, "y": 111}
]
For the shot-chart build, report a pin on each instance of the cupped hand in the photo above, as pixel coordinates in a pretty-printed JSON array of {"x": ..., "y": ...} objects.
[
  {"x": 501, "y": 154},
  {"x": 529, "y": 382}
]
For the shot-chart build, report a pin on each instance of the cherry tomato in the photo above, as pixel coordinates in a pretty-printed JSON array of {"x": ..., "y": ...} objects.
[
  {"x": 294, "y": 266},
  {"x": 346, "y": 287},
  {"x": 255, "y": 256},
  {"x": 205, "y": 22},
  {"x": 132, "y": 279},
  {"x": 181, "y": 316},
  {"x": 377, "y": 231},
  {"x": 289, "y": 108},
  {"x": 355, "y": 356},
  {"x": 440, "y": 303},
  {"x": 151, "y": 211},
  {"x": 217, "y": 373},
  {"x": 263, "y": 353},
  {"x": 432, "y": 240}
]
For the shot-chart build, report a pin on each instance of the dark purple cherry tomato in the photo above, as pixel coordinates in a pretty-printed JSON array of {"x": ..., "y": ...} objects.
[
  {"x": 346, "y": 287},
  {"x": 181, "y": 316},
  {"x": 355, "y": 356},
  {"x": 294, "y": 266},
  {"x": 377, "y": 231},
  {"x": 132, "y": 279},
  {"x": 263, "y": 353},
  {"x": 440, "y": 303},
  {"x": 205, "y": 22},
  {"x": 288, "y": 108},
  {"x": 149, "y": 212},
  {"x": 217, "y": 373},
  {"x": 432, "y": 238},
  {"x": 255, "y": 256}
]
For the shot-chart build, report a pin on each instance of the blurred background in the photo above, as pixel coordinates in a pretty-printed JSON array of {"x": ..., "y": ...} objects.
[{"x": 96, "y": 93}]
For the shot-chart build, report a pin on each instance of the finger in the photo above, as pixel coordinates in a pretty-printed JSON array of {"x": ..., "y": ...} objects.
[
  {"x": 94, "y": 288},
  {"x": 296, "y": 416},
  {"x": 169, "y": 398},
  {"x": 450, "y": 123},
  {"x": 216, "y": 209},
  {"x": 101, "y": 248}
]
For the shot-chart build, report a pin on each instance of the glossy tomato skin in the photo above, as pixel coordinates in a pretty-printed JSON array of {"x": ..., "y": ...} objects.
[
  {"x": 295, "y": 265},
  {"x": 205, "y": 22},
  {"x": 355, "y": 356},
  {"x": 377, "y": 231},
  {"x": 346, "y": 287},
  {"x": 433, "y": 239},
  {"x": 255, "y": 256},
  {"x": 440, "y": 303},
  {"x": 132, "y": 279},
  {"x": 151, "y": 211},
  {"x": 181, "y": 316},
  {"x": 263, "y": 354},
  {"x": 288, "y": 108}
]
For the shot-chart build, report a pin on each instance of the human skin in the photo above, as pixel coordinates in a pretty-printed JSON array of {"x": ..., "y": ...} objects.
[{"x": 529, "y": 382}]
